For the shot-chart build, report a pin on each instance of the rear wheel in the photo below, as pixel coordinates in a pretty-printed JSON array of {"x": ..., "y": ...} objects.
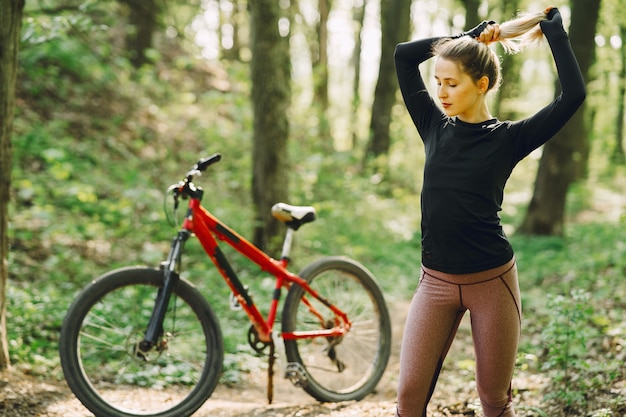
[
  {"x": 112, "y": 376},
  {"x": 345, "y": 368}
]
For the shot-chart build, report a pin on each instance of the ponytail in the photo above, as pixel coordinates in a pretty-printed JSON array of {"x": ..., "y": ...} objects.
[{"x": 522, "y": 31}]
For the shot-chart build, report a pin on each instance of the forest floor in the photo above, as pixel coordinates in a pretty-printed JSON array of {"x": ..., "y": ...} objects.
[{"x": 26, "y": 396}]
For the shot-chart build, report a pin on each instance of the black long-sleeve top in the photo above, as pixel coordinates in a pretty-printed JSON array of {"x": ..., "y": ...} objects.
[{"x": 467, "y": 165}]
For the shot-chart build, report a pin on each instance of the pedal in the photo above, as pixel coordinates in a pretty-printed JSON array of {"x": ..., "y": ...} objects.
[{"x": 296, "y": 374}]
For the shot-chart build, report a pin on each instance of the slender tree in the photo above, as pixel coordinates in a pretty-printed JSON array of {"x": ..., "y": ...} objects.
[
  {"x": 142, "y": 18},
  {"x": 358, "y": 17},
  {"x": 471, "y": 12},
  {"x": 320, "y": 75},
  {"x": 564, "y": 157},
  {"x": 10, "y": 25},
  {"x": 511, "y": 67},
  {"x": 232, "y": 21},
  {"x": 320, "y": 63},
  {"x": 395, "y": 24},
  {"x": 618, "y": 152},
  {"x": 270, "y": 74},
  {"x": 315, "y": 28}
]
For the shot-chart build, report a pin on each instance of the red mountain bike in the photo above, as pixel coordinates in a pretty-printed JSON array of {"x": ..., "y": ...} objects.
[{"x": 144, "y": 332}]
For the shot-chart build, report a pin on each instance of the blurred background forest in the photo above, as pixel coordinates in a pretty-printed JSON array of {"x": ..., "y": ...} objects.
[{"x": 116, "y": 100}]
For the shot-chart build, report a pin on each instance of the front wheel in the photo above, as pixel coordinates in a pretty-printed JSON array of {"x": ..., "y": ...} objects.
[
  {"x": 345, "y": 368},
  {"x": 112, "y": 375}
]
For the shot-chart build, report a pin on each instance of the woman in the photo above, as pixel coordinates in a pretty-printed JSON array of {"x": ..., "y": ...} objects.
[{"x": 467, "y": 261}]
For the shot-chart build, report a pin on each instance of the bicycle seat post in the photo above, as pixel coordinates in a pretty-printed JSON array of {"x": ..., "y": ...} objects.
[{"x": 287, "y": 244}]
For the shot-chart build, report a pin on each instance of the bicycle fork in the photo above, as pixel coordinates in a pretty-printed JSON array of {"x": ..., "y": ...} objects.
[{"x": 170, "y": 279}]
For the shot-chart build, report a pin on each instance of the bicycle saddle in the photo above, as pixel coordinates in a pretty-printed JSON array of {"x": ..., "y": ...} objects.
[{"x": 293, "y": 216}]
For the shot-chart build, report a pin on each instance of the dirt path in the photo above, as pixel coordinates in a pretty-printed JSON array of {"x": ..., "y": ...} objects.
[{"x": 23, "y": 396}]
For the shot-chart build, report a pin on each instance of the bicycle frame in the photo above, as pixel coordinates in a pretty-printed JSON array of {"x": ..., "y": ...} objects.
[
  {"x": 154, "y": 334},
  {"x": 208, "y": 229}
]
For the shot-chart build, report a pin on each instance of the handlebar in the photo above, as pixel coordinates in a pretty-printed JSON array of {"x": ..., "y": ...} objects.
[
  {"x": 186, "y": 188},
  {"x": 204, "y": 163}
]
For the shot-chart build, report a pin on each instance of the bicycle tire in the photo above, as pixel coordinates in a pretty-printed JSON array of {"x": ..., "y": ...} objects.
[
  {"x": 98, "y": 339},
  {"x": 361, "y": 356}
]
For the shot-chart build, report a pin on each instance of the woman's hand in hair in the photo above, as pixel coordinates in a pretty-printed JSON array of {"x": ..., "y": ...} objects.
[
  {"x": 490, "y": 34},
  {"x": 553, "y": 19}
]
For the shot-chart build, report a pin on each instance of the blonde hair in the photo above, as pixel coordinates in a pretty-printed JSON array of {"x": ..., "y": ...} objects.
[
  {"x": 522, "y": 31},
  {"x": 478, "y": 60}
]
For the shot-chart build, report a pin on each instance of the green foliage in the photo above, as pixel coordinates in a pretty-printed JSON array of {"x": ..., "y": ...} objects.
[
  {"x": 577, "y": 370},
  {"x": 567, "y": 337},
  {"x": 97, "y": 143},
  {"x": 34, "y": 321},
  {"x": 572, "y": 289}
]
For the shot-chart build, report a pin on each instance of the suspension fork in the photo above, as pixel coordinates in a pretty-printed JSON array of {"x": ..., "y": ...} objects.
[{"x": 170, "y": 279}]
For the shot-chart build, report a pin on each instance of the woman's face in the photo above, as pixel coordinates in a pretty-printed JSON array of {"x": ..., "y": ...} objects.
[{"x": 458, "y": 93}]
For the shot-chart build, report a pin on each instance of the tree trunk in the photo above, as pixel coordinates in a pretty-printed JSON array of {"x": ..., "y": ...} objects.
[
  {"x": 618, "y": 152},
  {"x": 358, "y": 18},
  {"x": 565, "y": 156},
  {"x": 142, "y": 18},
  {"x": 233, "y": 51},
  {"x": 585, "y": 15},
  {"x": 10, "y": 26},
  {"x": 270, "y": 74},
  {"x": 395, "y": 24},
  {"x": 471, "y": 13},
  {"x": 320, "y": 65},
  {"x": 320, "y": 76},
  {"x": 511, "y": 67}
]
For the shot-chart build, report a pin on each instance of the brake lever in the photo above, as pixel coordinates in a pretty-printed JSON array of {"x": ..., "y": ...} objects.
[{"x": 175, "y": 189}]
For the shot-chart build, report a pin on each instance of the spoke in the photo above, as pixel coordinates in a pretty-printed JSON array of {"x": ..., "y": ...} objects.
[
  {"x": 102, "y": 341},
  {"x": 97, "y": 321}
]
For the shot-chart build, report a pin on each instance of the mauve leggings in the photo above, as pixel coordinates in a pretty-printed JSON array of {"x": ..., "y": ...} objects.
[{"x": 441, "y": 299}]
